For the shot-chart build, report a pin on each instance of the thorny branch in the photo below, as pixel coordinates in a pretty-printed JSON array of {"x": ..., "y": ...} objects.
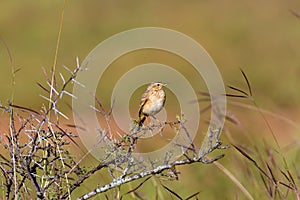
[
  {"x": 155, "y": 171},
  {"x": 132, "y": 168},
  {"x": 36, "y": 156},
  {"x": 42, "y": 163}
]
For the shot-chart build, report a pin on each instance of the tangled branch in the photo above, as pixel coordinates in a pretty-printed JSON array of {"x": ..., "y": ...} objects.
[{"x": 37, "y": 159}]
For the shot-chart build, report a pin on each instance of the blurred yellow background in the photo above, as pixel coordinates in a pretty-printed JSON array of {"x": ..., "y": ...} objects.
[{"x": 261, "y": 37}]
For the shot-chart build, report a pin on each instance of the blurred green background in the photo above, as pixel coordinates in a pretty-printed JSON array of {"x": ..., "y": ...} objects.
[{"x": 261, "y": 37}]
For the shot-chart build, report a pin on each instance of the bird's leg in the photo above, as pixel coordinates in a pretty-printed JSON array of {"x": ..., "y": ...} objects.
[{"x": 157, "y": 121}]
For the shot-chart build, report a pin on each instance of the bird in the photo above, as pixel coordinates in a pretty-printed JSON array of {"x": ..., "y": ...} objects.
[{"x": 152, "y": 101}]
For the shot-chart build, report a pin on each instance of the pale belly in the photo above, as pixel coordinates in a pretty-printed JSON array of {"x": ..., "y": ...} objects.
[{"x": 154, "y": 107}]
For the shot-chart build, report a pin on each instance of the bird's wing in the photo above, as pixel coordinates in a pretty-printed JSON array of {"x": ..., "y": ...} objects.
[
  {"x": 165, "y": 98},
  {"x": 142, "y": 103},
  {"x": 144, "y": 100}
]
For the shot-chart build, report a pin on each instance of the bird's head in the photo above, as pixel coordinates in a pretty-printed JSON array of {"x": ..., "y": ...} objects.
[{"x": 157, "y": 85}]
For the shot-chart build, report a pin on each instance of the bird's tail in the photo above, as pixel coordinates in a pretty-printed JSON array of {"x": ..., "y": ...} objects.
[{"x": 141, "y": 121}]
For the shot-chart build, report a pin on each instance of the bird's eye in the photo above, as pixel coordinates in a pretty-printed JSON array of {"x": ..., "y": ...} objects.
[{"x": 157, "y": 84}]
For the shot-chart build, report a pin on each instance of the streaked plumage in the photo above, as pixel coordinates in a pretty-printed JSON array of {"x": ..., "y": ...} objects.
[{"x": 152, "y": 102}]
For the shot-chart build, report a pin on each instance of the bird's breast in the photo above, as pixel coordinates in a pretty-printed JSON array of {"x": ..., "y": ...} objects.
[{"x": 154, "y": 105}]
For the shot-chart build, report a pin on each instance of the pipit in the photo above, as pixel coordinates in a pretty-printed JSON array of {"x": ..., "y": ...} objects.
[{"x": 152, "y": 102}]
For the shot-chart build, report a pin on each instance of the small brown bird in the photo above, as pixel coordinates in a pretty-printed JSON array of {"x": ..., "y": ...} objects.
[{"x": 152, "y": 102}]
